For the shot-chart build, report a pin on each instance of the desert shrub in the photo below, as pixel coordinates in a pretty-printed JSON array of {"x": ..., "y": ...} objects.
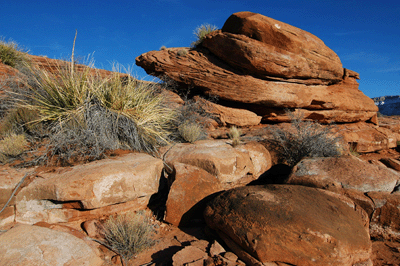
[
  {"x": 234, "y": 135},
  {"x": 129, "y": 234},
  {"x": 191, "y": 131},
  {"x": 305, "y": 139},
  {"x": 182, "y": 52},
  {"x": 201, "y": 31},
  {"x": 162, "y": 48},
  {"x": 21, "y": 120},
  {"x": 11, "y": 146},
  {"x": 191, "y": 122},
  {"x": 103, "y": 113},
  {"x": 11, "y": 54}
]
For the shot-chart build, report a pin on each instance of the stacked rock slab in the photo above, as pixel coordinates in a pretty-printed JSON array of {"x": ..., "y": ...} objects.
[{"x": 264, "y": 65}]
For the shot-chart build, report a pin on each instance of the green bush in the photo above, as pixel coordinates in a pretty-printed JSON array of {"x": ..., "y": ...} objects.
[
  {"x": 11, "y": 54},
  {"x": 305, "y": 139},
  {"x": 129, "y": 234},
  {"x": 182, "y": 52},
  {"x": 201, "y": 31}
]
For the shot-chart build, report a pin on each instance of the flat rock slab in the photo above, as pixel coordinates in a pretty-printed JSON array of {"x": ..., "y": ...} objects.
[
  {"x": 231, "y": 165},
  {"x": 93, "y": 185},
  {"x": 346, "y": 172},
  {"x": 33, "y": 245},
  {"x": 288, "y": 224}
]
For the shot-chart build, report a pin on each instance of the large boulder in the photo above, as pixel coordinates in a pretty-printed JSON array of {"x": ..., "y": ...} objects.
[
  {"x": 263, "y": 65},
  {"x": 34, "y": 245},
  {"x": 232, "y": 166},
  {"x": 346, "y": 172},
  {"x": 289, "y": 225},
  {"x": 90, "y": 186},
  {"x": 272, "y": 49},
  {"x": 191, "y": 188}
]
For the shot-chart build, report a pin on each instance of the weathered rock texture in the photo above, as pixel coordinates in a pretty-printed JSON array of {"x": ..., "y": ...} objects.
[
  {"x": 34, "y": 245},
  {"x": 292, "y": 225},
  {"x": 264, "y": 65},
  {"x": 346, "y": 172},
  {"x": 94, "y": 185}
]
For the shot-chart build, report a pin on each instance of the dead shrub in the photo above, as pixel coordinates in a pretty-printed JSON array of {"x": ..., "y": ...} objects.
[
  {"x": 305, "y": 139},
  {"x": 129, "y": 234}
]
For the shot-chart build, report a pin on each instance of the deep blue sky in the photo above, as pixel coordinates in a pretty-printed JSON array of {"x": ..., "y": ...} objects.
[{"x": 364, "y": 33}]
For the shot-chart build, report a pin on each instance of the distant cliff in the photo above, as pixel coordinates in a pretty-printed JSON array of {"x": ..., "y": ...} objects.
[{"x": 388, "y": 105}]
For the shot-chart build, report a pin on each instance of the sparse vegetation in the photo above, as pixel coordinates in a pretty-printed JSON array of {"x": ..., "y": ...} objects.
[
  {"x": 305, "y": 139},
  {"x": 201, "y": 31},
  {"x": 162, "y": 48},
  {"x": 129, "y": 234},
  {"x": 234, "y": 135},
  {"x": 182, "y": 52},
  {"x": 191, "y": 131},
  {"x": 11, "y": 54},
  {"x": 11, "y": 146},
  {"x": 90, "y": 114}
]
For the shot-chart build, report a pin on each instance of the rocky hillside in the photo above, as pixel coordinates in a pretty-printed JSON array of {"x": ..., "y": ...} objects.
[
  {"x": 388, "y": 105},
  {"x": 219, "y": 202}
]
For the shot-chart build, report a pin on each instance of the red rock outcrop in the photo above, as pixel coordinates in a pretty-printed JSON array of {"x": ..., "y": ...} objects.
[
  {"x": 289, "y": 225},
  {"x": 265, "y": 66}
]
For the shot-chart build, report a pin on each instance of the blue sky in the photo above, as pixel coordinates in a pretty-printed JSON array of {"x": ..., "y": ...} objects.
[{"x": 364, "y": 33}]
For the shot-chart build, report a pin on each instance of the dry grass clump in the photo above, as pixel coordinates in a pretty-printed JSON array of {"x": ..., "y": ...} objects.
[
  {"x": 11, "y": 146},
  {"x": 129, "y": 234},
  {"x": 191, "y": 131},
  {"x": 305, "y": 139},
  {"x": 90, "y": 114},
  {"x": 201, "y": 31},
  {"x": 182, "y": 52},
  {"x": 11, "y": 54},
  {"x": 234, "y": 135}
]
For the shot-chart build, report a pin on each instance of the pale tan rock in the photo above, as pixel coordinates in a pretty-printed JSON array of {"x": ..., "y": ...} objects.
[
  {"x": 216, "y": 249},
  {"x": 34, "y": 245},
  {"x": 94, "y": 185},
  {"x": 189, "y": 255},
  {"x": 231, "y": 165}
]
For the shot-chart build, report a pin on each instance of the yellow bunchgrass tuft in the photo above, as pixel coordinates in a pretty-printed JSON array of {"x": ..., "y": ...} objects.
[
  {"x": 201, "y": 31},
  {"x": 64, "y": 99},
  {"x": 11, "y": 54},
  {"x": 234, "y": 135},
  {"x": 191, "y": 131},
  {"x": 11, "y": 146}
]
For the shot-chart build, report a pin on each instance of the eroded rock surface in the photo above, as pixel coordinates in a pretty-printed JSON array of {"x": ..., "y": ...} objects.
[
  {"x": 295, "y": 225},
  {"x": 270, "y": 66}
]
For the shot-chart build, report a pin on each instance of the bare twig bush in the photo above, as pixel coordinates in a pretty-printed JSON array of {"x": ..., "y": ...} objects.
[
  {"x": 129, "y": 234},
  {"x": 305, "y": 139}
]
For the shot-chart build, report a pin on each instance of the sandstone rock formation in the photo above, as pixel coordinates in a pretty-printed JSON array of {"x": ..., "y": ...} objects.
[
  {"x": 34, "y": 245},
  {"x": 289, "y": 225},
  {"x": 346, "y": 172},
  {"x": 90, "y": 186},
  {"x": 232, "y": 166},
  {"x": 263, "y": 65}
]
